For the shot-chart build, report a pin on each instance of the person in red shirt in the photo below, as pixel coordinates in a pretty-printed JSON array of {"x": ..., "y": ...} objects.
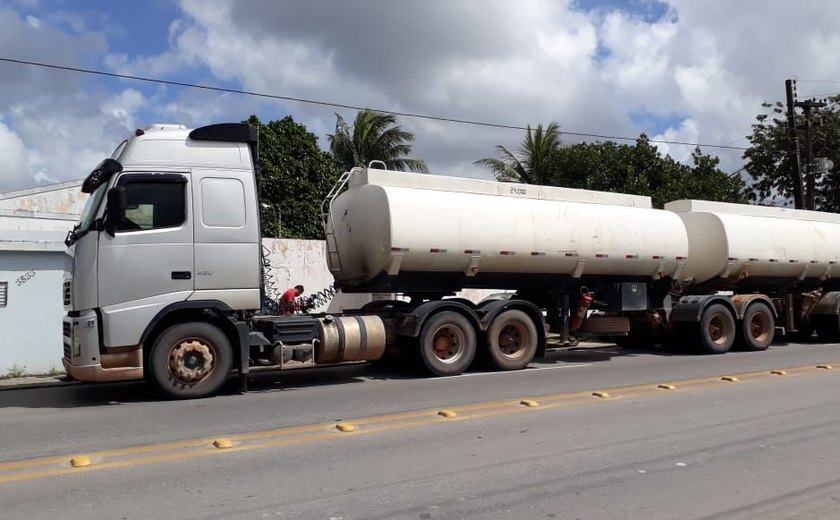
[{"x": 288, "y": 300}]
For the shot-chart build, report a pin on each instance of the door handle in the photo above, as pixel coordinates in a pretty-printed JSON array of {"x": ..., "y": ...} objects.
[{"x": 181, "y": 275}]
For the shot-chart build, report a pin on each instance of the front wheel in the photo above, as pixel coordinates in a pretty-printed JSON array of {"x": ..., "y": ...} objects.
[
  {"x": 447, "y": 344},
  {"x": 190, "y": 360},
  {"x": 512, "y": 340}
]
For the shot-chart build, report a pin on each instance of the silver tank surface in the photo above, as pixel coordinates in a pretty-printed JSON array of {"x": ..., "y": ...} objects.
[
  {"x": 773, "y": 245},
  {"x": 397, "y": 223}
]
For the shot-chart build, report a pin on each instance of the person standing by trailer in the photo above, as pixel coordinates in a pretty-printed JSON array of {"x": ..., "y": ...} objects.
[{"x": 288, "y": 300}]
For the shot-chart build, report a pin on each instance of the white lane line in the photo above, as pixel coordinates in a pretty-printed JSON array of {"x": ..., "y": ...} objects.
[{"x": 509, "y": 372}]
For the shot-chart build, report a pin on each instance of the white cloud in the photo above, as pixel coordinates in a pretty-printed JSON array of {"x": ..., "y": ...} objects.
[
  {"x": 706, "y": 66},
  {"x": 14, "y": 173}
]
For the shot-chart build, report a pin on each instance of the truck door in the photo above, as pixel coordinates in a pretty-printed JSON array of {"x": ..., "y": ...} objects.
[{"x": 148, "y": 264}]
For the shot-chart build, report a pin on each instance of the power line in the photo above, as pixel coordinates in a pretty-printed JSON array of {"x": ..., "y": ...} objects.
[{"x": 343, "y": 105}]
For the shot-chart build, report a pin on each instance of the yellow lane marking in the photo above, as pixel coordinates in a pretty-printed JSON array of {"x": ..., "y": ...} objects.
[{"x": 23, "y": 470}]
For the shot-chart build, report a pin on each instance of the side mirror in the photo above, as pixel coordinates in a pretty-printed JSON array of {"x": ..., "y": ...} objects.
[{"x": 115, "y": 210}]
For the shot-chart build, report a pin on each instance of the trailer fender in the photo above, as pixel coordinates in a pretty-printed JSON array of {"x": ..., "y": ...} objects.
[
  {"x": 413, "y": 321},
  {"x": 829, "y": 305},
  {"x": 690, "y": 308},
  {"x": 742, "y": 301}
]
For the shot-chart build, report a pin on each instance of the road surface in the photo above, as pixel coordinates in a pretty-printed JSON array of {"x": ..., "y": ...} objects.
[{"x": 667, "y": 438}]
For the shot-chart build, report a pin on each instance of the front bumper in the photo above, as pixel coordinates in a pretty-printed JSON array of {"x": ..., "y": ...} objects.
[{"x": 82, "y": 360}]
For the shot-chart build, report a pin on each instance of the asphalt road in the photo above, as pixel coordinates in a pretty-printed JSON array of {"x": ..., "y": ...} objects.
[{"x": 764, "y": 446}]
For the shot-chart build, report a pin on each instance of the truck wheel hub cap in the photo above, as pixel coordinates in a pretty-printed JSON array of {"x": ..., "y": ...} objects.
[
  {"x": 447, "y": 344},
  {"x": 191, "y": 361},
  {"x": 511, "y": 341}
]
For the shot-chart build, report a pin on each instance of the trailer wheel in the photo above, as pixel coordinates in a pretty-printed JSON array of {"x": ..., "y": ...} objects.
[
  {"x": 758, "y": 327},
  {"x": 512, "y": 340},
  {"x": 447, "y": 344},
  {"x": 717, "y": 330},
  {"x": 190, "y": 360}
]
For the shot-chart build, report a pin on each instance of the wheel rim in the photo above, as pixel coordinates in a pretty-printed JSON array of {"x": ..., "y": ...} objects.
[
  {"x": 448, "y": 343},
  {"x": 513, "y": 340},
  {"x": 192, "y": 360},
  {"x": 759, "y": 327},
  {"x": 719, "y": 329}
]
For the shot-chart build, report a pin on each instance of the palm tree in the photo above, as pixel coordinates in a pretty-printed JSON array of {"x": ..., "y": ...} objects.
[
  {"x": 373, "y": 136},
  {"x": 533, "y": 161}
]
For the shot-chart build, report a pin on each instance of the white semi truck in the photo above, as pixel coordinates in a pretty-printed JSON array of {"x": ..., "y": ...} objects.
[{"x": 167, "y": 280}]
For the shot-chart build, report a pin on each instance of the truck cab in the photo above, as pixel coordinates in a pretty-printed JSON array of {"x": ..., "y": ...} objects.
[{"x": 171, "y": 229}]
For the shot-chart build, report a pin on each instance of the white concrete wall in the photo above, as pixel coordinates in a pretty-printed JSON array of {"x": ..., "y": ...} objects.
[
  {"x": 31, "y": 321},
  {"x": 65, "y": 198}
]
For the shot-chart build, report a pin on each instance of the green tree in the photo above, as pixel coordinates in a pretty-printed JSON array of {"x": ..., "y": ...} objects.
[
  {"x": 296, "y": 176},
  {"x": 638, "y": 169},
  {"x": 533, "y": 162},
  {"x": 771, "y": 166},
  {"x": 373, "y": 136}
]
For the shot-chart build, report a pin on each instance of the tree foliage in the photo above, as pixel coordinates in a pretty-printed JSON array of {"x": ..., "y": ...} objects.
[
  {"x": 771, "y": 166},
  {"x": 296, "y": 176},
  {"x": 638, "y": 169},
  {"x": 532, "y": 162},
  {"x": 373, "y": 136}
]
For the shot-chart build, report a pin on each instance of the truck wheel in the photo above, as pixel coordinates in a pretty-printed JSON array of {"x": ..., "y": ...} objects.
[
  {"x": 512, "y": 340},
  {"x": 717, "y": 330},
  {"x": 447, "y": 344},
  {"x": 190, "y": 360},
  {"x": 758, "y": 327}
]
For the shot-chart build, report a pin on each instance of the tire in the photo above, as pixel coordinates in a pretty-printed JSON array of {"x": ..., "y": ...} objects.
[
  {"x": 717, "y": 329},
  {"x": 179, "y": 346},
  {"x": 512, "y": 340},
  {"x": 758, "y": 327},
  {"x": 447, "y": 344}
]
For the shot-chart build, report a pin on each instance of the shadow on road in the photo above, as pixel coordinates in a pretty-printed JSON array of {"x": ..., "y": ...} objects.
[
  {"x": 271, "y": 381},
  {"x": 77, "y": 395}
]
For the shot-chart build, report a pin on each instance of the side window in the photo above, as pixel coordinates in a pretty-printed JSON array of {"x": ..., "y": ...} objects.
[{"x": 154, "y": 201}]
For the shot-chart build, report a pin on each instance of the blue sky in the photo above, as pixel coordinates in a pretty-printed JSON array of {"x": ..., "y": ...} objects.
[{"x": 678, "y": 70}]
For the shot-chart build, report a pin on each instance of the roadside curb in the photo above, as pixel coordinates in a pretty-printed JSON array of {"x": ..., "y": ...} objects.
[{"x": 24, "y": 383}]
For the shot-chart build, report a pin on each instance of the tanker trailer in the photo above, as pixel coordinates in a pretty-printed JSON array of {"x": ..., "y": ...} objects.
[
  {"x": 585, "y": 262},
  {"x": 753, "y": 270}
]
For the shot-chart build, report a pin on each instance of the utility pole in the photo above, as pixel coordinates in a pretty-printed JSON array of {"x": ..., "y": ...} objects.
[
  {"x": 793, "y": 141},
  {"x": 811, "y": 184}
]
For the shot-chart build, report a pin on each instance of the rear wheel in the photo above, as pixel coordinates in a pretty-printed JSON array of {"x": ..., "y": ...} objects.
[
  {"x": 447, "y": 344},
  {"x": 758, "y": 327},
  {"x": 717, "y": 329},
  {"x": 512, "y": 340},
  {"x": 190, "y": 360}
]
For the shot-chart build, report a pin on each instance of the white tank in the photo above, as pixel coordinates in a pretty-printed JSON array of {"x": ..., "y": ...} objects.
[
  {"x": 399, "y": 223},
  {"x": 772, "y": 245}
]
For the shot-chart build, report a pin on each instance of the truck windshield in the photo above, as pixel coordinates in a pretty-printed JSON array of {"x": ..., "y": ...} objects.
[{"x": 88, "y": 215}]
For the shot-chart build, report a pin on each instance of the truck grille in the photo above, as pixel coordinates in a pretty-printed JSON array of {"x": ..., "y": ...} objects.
[{"x": 67, "y": 291}]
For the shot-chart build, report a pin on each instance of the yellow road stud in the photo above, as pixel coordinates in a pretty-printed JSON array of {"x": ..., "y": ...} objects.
[
  {"x": 602, "y": 395},
  {"x": 825, "y": 367},
  {"x": 529, "y": 403},
  {"x": 223, "y": 444},
  {"x": 665, "y": 386},
  {"x": 448, "y": 414},
  {"x": 80, "y": 462},
  {"x": 729, "y": 379},
  {"x": 778, "y": 372},
  {"x": 344, "y": 427}
]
